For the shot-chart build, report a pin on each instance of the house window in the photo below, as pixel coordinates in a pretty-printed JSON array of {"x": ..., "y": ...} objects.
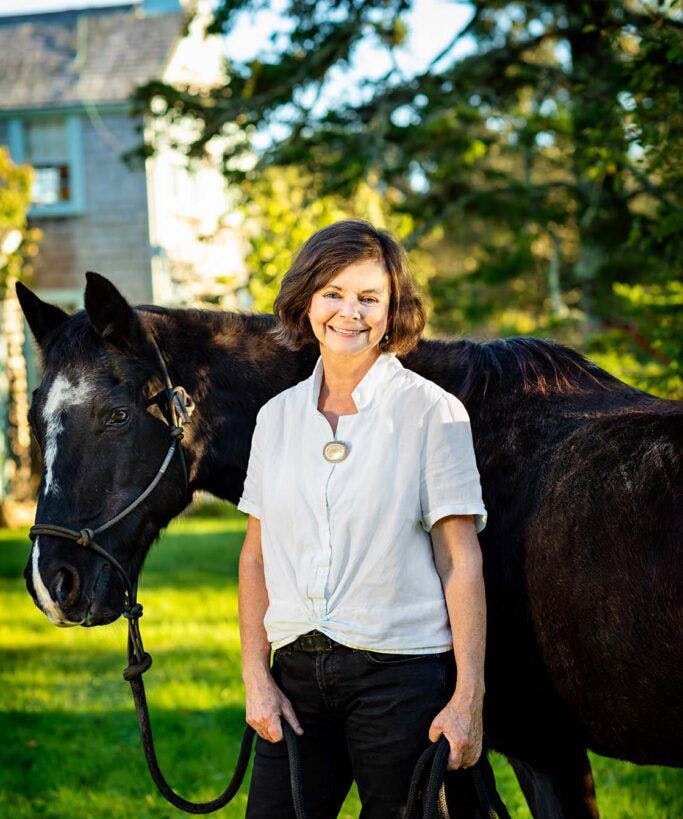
[
  {"x": 52, "y": 145},
  {"x": 47, "y": 149}
]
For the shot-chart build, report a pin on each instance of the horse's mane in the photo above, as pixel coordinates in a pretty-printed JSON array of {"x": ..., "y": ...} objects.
[
  {"x": 225, "y": 320},
  {"x": 530, "y": 365},
  {"x": 77, "y": 340}
]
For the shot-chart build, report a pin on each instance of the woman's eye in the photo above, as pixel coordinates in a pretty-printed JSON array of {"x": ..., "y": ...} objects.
[
  {"x": 364, "y": 299},
  {"x": 117, "y": 417}
]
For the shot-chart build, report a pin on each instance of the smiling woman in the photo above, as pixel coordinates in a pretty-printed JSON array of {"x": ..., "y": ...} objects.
[
  {"x": 339, "y": 574},
  {"x": 348, "y": 313},
  {"x": 342, "y": 267}
]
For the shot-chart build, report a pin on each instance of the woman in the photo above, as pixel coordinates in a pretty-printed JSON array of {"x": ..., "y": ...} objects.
[{"x": 361, "y": 566}]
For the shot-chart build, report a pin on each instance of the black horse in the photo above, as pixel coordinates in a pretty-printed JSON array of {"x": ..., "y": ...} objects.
[{"x": 581, "y": 478}]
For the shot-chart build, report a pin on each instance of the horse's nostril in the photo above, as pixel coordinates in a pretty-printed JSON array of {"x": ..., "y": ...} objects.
[{"x": 65, "y": 586}]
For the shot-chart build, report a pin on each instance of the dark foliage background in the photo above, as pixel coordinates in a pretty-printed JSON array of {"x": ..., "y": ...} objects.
[{"x": 535, "y": 175}]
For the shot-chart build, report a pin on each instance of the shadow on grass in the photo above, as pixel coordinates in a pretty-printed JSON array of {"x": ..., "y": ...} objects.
[
  {"x": 197, "y": 749},
  {"x": 89, "y": 749}
]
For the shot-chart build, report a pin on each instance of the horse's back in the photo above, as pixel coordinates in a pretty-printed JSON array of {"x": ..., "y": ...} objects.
[{"x": 603, "y": 567}]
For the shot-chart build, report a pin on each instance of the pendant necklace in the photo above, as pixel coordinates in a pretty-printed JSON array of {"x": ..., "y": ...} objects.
[{"x": 335, "y": 451}]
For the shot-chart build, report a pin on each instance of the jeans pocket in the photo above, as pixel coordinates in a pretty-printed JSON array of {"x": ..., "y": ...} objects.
[{"x": 383, "y": 658}]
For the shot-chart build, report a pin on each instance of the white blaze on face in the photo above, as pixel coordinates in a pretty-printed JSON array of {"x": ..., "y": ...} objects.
[
  {"x": 62, "y": 395},
  {"x": 47, "y": 604}
]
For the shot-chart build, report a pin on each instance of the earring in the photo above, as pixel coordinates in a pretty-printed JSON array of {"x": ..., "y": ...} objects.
[{"x": 384, "y": 343}]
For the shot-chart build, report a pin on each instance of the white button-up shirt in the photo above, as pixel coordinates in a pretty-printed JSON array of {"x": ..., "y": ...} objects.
[{"x": 346, "y": 546}]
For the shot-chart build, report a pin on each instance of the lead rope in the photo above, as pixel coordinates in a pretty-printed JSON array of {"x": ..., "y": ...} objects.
[
  {"x": 140, "y": 661},
  {"x": 180, "y": 407},
  {"x": 432, "y": 798}
]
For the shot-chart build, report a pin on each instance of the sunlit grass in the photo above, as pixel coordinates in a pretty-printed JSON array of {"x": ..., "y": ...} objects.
[{"x": 70, "y": 739}]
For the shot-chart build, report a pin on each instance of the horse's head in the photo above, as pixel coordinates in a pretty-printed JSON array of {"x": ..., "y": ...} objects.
[{"x": 103, "y": 437}]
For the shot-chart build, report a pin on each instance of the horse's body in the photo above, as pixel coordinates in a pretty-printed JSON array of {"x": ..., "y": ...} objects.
[{"x": 581, "y": 479}]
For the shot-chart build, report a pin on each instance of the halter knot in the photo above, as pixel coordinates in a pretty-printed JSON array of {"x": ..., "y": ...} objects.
[
  {"x": 133, "y": 612},
  {"x": 86, "y": 536},
  {"x": 184, "y": 405},
  {"x": 137, "y": 669},
  {"x": 177, "y": 432}
]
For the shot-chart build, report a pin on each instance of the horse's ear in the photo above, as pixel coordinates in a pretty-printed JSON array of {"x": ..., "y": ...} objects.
[
  {"x": 110, "y": 314},
  {"x": 42, "y": 317}
]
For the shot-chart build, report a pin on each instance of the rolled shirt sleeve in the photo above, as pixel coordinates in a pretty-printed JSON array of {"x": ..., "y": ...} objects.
[
  {"x": 250, "y": 501},
  {"x": 449, "y": 478}
]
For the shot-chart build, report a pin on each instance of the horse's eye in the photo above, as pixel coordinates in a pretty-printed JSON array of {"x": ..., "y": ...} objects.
[{"x": 117, "y": 418}]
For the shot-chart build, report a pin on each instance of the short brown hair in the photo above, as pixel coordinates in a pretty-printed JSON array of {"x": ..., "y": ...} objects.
[{"x": 326, "y": 253}]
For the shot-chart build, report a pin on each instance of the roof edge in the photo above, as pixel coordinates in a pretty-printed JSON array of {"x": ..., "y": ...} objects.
[{"x": 16, "y": 18}]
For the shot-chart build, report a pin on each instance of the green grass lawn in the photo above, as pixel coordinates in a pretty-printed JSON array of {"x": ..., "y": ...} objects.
[{"x": 70, "y": 743}]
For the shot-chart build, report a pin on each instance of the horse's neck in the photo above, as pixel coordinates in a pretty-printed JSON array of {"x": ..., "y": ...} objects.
[{"x": 230, "y": 369}]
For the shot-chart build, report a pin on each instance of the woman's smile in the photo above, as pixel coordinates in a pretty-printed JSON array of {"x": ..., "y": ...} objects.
[{"x": 341, "y": 332}]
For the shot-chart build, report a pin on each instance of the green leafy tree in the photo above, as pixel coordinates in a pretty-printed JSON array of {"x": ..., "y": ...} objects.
[
  {"x": 543, "y": 166},
  {"x": 18, "y": 243},
  {"x": 282, "y": 210}
]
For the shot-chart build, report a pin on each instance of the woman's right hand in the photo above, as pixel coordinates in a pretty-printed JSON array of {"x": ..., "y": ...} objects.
[{"x": 266, "y": 704}]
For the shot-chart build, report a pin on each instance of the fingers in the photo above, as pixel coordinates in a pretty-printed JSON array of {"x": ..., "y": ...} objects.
[
  {"x": 462, "y": 755},
  {"x": 455, "y": 757},
  {"x": 266, "y": 706},
  {"x": 435, "y": 729},
  {"x": 274, "y": 729},
  {"x": 269, "y": 726},
  {"x": 290, "y": 716},
  {"x": 463, "y": 735},
  {"x": 457, "y": 746}
]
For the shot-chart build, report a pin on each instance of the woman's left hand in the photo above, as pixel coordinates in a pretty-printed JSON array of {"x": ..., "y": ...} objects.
[{"x": 461, "y": 723}]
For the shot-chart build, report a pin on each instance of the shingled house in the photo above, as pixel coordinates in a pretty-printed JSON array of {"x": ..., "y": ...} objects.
[
  {"x": 159, "y": 232},
  {"x": 66, "y": 78}
]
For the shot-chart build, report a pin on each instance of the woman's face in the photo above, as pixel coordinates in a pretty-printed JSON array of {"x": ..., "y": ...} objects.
[{"x": 356, "y": 299}]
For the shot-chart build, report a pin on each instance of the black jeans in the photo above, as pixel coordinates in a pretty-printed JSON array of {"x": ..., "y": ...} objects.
[{"x": 365, "y": 716}]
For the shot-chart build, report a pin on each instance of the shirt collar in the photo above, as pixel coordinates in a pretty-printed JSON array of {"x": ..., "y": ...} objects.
[{"x": 379, "y": 373}]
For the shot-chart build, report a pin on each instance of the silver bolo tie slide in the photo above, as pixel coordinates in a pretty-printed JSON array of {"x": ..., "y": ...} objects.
[{"x": 335, "y": 451}]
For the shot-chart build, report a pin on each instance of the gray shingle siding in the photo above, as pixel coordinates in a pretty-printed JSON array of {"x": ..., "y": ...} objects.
[
  {"x": 112, "y": 236},
  {"x": 84, "y": 65}
]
